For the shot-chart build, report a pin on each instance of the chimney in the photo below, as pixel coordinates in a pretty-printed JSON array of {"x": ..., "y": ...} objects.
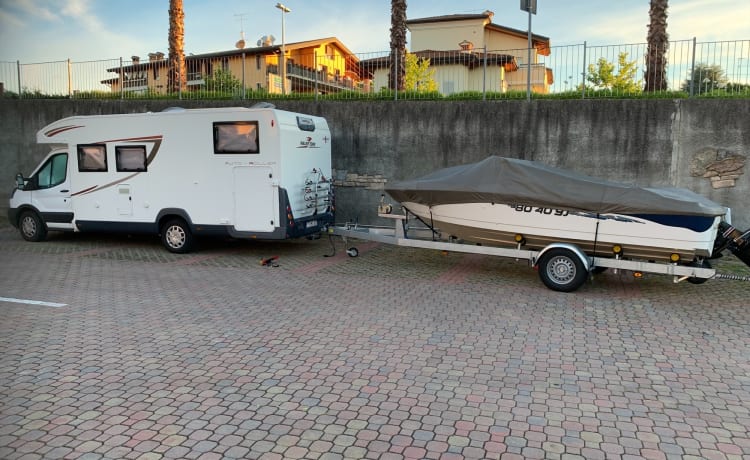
[{"x": 135, "y": 59}]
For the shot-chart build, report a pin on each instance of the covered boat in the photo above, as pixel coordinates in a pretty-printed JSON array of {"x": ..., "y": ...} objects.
[{"x": 505, "y": 201}]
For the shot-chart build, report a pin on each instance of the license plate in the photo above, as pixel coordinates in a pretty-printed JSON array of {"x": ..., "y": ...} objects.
[{"x": 311, "y": 223}]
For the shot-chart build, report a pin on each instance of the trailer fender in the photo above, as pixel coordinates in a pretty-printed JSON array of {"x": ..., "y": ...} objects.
[{"x": 571, "y": 247}]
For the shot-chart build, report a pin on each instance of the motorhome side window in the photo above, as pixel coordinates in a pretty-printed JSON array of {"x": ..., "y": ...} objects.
[
  {"x": 130, "y": 158},
  {"x": 236, "y": 137},
  {"x": 92, "y": 158}
]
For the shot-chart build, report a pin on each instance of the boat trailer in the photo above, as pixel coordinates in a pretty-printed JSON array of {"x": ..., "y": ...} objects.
[{"x": 562, "y": 266}]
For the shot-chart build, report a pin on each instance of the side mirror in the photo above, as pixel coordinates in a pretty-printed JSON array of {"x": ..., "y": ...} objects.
[{"x": 20, "y": 181}]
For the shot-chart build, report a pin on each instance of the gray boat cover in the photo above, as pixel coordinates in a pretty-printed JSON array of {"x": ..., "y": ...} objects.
[{"x": 512, "y": 181}]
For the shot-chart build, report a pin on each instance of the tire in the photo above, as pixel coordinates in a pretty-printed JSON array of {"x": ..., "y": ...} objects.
[
  {"x": 562, "y": 270},
  {"x": 696, "y": 280},
  {"x": 176, "y": 236},
  {"x": 32, "y": 227}
]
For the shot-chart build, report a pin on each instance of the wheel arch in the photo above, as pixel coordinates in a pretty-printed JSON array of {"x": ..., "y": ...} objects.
[
  {"x": 15, "y": 217},
  {"x": 170, "y": 213}
]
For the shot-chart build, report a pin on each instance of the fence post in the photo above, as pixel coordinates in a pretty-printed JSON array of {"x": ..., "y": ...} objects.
[
  {"x": 395, "y": 76},
  {"x": 315, "y": 74},
  {"x": 122, "y": 81},
  {"x": 179, "y": 81},
  {"x": 244, "y": 94},
  {"x": 18, "y": 72},
  {"x": 70, "y": 80},
  {"x": 692, "y": 70},
  {"x": 484, "y": 76},
  {"x": 583, "y": 74}
]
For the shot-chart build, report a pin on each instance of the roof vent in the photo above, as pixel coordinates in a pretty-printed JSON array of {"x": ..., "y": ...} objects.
[{"x": 466, "y": 45}]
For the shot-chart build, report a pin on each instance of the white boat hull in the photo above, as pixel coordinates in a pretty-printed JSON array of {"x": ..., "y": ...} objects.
[{"x": 640, "y": 237}]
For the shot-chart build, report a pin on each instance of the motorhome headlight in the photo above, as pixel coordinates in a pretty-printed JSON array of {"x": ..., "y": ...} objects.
[
  {"x": 674, "y": 257},
  {"x": 617, "y": 249}
]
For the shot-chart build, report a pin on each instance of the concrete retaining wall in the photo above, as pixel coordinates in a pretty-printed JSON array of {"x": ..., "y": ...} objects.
[{"x": 702, "y": 145}]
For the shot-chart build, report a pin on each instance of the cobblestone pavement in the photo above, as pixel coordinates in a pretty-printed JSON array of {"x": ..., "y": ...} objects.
[{"x": 399, "y": 353}]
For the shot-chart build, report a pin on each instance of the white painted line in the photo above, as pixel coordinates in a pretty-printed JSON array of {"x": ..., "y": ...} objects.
[{"x": 32, "y": 302}]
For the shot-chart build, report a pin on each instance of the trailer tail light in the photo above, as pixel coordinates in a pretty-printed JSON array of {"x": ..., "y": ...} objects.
[{"x": 289, "y": 216}]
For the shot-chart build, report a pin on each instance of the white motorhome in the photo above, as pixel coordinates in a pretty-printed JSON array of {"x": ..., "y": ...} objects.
[{"x": 244, "y": 172}]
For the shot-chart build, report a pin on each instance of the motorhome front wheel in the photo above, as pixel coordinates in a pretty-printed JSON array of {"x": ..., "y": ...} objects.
[{"x": 31, "y": 226}]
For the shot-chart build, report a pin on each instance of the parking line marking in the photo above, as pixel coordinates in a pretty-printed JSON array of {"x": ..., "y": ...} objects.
[{"x": 33, "y": 302}]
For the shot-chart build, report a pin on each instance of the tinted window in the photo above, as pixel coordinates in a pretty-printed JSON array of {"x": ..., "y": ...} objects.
[
  {"x": 236, "y": 137},
  {"x": 130, "y": 158},
  {"x": 53, "y": 172},
  {"x": 92, "y": 157}
]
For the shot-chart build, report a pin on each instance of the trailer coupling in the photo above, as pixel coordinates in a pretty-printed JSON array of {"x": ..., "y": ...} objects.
[{"x": 736, "y": 241}]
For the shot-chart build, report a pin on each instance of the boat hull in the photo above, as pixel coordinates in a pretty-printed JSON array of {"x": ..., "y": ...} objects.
[{"x": 647, "y": 237}]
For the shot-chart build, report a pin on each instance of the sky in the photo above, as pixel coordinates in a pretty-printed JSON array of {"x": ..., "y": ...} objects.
[{"x": 34, "y": 31}]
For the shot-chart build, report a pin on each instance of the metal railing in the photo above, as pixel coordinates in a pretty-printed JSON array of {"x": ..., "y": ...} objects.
[{"x": 574, "y": 71}]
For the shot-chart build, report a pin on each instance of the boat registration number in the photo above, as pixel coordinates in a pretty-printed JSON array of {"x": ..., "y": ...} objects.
[{"x": 546, "y": 211}]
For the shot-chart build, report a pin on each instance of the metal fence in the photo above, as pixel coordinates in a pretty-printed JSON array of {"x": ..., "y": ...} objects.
[{"x": 575, "y": 71}]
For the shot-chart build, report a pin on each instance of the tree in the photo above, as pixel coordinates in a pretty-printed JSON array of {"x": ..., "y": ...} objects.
[
  {"x": 705, "y": 78},
  {"x": 177, "y": 73},
  {"x": 398, "y": 45},
  {"x": 603, "y": 76},
  {"x": 222, "y": 80},
  {"x": 419, "y": 75},
  {"x": 658, "y": 43}
]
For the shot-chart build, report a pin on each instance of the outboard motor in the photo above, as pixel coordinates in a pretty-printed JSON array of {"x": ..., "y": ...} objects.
[{"x": 736, "y": 241}]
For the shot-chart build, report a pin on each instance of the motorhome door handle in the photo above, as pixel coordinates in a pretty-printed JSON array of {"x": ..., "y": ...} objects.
[{"x": 64, "y": 191}]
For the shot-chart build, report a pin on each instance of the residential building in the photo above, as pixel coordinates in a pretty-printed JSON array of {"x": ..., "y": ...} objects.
[
  {"x": 468, "y": 52},
  {"x": 324, "y": 65}
]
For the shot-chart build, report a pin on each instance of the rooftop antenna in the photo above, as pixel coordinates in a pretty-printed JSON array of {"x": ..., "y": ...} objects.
[{"x": 241, "y": 42}]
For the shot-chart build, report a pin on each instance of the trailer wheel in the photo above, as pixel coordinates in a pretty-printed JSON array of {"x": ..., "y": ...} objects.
[
  {"x": 32, "y": 227},
  {"x": 562, "y": 270},
  {"x": 695, "y": 279},
  {"x": 176, "y": 236},
  {"x": 352, "y": 252}
]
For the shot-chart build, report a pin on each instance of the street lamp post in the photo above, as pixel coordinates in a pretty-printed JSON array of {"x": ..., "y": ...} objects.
[{"x": 282, "y": 59}]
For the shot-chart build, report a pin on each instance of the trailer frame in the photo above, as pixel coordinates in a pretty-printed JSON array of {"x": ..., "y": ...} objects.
[{"x": 401, "y": 234}]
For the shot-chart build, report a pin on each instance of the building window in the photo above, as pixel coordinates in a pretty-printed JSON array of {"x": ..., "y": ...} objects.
[
  {"x": 225, "y": 64},
  {"x": 130, "y": 158},
  {"x": 236, "y": 137},
  {"x": 257, "y": 61},
  {"x": 92, "y": 158}
]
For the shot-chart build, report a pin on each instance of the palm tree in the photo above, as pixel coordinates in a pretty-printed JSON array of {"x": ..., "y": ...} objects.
[
  {"x": 656, "y": 59},
  {"x": 398, "y": 45},
  {"x": 177, "y": 74}
]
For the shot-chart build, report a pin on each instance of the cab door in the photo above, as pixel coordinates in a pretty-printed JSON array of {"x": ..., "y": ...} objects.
[{"x": 50, "y": 192}]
